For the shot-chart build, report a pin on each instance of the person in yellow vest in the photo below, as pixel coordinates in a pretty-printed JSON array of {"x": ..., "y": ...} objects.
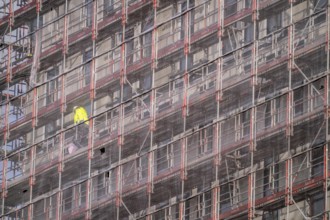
[{"x": 80, "y": 115}]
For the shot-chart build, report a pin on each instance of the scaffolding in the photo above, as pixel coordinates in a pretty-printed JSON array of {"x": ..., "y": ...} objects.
[{"x": 198, "y": 109}]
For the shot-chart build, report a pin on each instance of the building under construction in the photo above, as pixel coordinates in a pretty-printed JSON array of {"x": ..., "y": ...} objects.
[{"x": 198, "y": 109}]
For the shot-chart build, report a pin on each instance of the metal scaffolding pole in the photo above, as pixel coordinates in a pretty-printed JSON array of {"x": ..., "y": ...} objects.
[
  {"x": 152, "y": 125},
  {"x": 326, "y": 112}
]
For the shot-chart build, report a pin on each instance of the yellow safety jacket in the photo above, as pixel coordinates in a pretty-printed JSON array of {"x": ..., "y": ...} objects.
[{"x": 80, "y": 115}]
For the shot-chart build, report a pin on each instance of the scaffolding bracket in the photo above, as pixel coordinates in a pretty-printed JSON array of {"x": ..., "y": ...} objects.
[
  {"x": 94, "y": 20},
  {"x": 215, "y": 193},
  {"x": 123, "y": 13},
  {"x": 38, "y": 5}
]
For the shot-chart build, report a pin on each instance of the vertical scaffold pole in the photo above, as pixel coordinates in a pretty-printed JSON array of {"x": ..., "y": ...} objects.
[
  {"x": 325, "y": 178},
  {"x": 152, "y": 125},
  {"x": 289, "y": 126},
  {"x": 11, "y": 24},
  {"x": 5, "y": 161},
  {"x": 288, "y": 186},
  {"x": 3, "y": 185},
  {"x": 59, "y": 195},
  {"x": 326, "y": 118},
  {"x": 219, "y": 79},
  {"x": 118, "y": 189},
  {"x": 183, "y": 173},
  {"x": 65, "y": 45},
  {"x": 88, "y": 213},
  {"x": 121, "y": 111},
  {"x": 219, "y": 94},
  {"x": 252, "y": 144},
  {"x": 32, "y": 153},
  {"x": 215, "y": 199}
]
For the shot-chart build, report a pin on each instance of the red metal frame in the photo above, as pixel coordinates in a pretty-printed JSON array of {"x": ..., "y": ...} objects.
[
  {"x": 181, "y": 210},
  {"x": 58, "y": 205},
  {"x": 34, "y": 107},
  {"x": 220, "y": 23},
  {"x": 215, "y": 212},
  {"x": 123, "y": 12},
  {"x": 87, "y": 214},
  {"x": 250, "y": 197},
  {"x": 216, "y": 144},
  {"x": 288, "y": 186},
  {"x": 252, "y": 129},
  {"x": 185, "y": 101},
  {"x": 94, "y": 21},
  {"x": 325, "y": 178},
  {"x": 9, "y": 69},
  {"x": 150, "y": 173},
  {"x": 3, "y": 184},
  {"x": 325, "y": 98},
  {"x": 11, "y": 14},
  {"x": 289, "y": 113},
  {"x": 65, "y": 36},
  {"x": 183, "y": 173},
  {"x": 38, "y": 5},
  {"x": 118, "y": 187}
]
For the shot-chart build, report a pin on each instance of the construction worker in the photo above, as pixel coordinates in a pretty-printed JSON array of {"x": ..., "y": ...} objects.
[{"x": 80, "y": 115}]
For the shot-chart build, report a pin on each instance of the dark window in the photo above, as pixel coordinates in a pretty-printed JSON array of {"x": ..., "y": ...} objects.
[
  {"x": 143, "y": 167},
  {"x": 226, "y": 197},
  {"x": 245, "y": 123},
  {"x": 147, "y": 37},
  {"x": 274, "y": 23},
  {"x": 147, "y": 41},
  {"x": 163, "y": 160},
  {"x": 205, "y": 141},
  {"x": 198, "y": 207},
  {"x": 22, "y": 2},
  {"x": 114, "y": 95},
  {"x": 230, "y": 7},
  {"x": 317, "y": 162},
  {"x": 130, "y": 52},
  {"x": 147, "y": 82},
  {"x": 67, "y": 199},
  {"x": 108, "y": 7},
  {"x": 33, "y": 28},
  {"x": 183, "y": 9},
  {"x": 52, "y": 86},
  {"x": 87, "y": 67},
  {"x": 34, "y": 24},
  {"x": 317, "y": 204},
  {"x": 129, "y": 46},
  {"x": 127, "y": 92},
  {"x": 89, "y": 12},
  {"x": 271, "y": 177},
  {"x": 101, "y": 185},
  {"x": 248, "y": 3},
  {"x": 248, "y": 33},
  {"x": 182, "y": 64},
  {"x": 280, "y": 109},
  {"x": 82, "y": 193},
  {"x": 50, "y": 129},
  {"x": 160, "y": 214},
  {"x": 228, "y": 45},
  {"x": 268, "y": 118},
  {"x": 298, "y": 101},
  {"x": 270, "y": 215}
]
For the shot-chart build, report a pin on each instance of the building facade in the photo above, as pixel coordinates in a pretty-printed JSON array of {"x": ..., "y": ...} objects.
[{"x": 198, "y": 109}]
